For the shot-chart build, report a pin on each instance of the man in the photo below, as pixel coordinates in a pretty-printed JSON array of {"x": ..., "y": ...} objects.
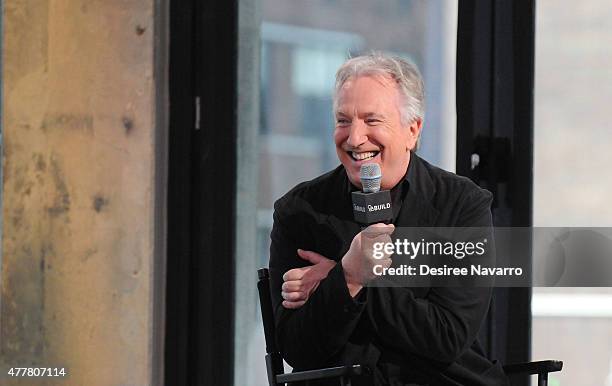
[{"x": 326, "y": 315}]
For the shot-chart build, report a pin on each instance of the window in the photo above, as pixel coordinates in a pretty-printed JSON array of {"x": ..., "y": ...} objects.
[
  {"x": 573, "y": 85},
  {"x": 302, "y": 45}
]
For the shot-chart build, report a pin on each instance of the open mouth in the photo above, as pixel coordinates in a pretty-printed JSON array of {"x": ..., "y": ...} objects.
[{"x": 362, "y": 156}]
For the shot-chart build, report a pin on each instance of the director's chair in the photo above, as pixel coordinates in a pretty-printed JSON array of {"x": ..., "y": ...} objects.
[{"x": 346, "y": 374}]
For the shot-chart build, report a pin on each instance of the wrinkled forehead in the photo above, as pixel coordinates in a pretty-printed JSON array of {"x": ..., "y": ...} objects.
[{"x": 368, "y": 91}]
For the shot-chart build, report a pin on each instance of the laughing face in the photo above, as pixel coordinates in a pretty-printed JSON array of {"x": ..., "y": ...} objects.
[{"x": 369, "y": 129}]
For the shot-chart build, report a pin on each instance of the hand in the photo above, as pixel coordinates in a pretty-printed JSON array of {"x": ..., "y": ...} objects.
[
  {"x": 358, "y": 263},
  {"x": 299, "y": 283}
]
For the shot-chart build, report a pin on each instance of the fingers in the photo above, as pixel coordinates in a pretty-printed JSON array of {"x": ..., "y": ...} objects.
[
  {"x": 292, "y": 286},
  {"x": 385, "y": 262},
  {"x": 379, "y": 229},
  {"x": 293, "y": 296},
  {"x": 310, "y": 256},
  {"x": 375, "y": 247},
  {"x": 293, "y": 305},
  {"x": 299, "y": 283},
  {"x": 295, "y": 274}
]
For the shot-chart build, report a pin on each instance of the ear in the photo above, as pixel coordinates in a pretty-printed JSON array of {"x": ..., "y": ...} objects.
[{"x": 414, "y": 132}]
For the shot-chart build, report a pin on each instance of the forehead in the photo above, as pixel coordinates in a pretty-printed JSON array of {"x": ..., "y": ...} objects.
[{"x": 369, "y": 90}]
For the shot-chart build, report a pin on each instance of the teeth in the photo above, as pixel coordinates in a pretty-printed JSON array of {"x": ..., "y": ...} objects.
[{"x": 364, "y": 155}]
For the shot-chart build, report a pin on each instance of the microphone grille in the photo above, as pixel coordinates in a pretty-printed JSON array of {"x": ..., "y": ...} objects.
[{"x": 370, "y": 176}]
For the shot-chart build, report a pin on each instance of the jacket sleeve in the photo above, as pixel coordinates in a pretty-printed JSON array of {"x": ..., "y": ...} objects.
[
  {"x": 444, "y": 323},
  {"x": 310, "y": 335}
]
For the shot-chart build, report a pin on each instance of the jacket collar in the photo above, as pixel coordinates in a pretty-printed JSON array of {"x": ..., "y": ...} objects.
[{"x": 417, "y": 208}]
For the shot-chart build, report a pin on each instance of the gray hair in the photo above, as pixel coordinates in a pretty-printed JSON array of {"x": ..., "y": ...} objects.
[{"x": 404, "y": 72}]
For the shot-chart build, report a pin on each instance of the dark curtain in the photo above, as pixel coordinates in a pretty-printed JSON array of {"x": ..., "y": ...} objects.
[
  {"x": 495, "y": 71},
  {"x": 199, "y": 342}
]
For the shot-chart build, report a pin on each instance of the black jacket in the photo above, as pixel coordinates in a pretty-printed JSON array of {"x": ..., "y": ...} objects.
[{"x": 421, "y": 336}]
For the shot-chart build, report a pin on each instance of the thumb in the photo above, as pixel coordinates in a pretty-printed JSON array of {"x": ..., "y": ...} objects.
[
  {"x": 311, "y": 256},
  {"x": 379, "y": 229}
]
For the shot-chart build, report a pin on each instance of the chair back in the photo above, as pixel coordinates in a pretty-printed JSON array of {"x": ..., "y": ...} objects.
[{"x": 274, "y": 361}]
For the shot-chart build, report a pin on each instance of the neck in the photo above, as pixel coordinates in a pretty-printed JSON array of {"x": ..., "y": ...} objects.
[{"x": 388, "y": 184}]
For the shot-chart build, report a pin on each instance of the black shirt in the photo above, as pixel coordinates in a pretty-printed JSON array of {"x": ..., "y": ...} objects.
[{"x": 407, "y": 336}]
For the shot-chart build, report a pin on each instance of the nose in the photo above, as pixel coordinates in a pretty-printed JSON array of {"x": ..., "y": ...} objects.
[{"x": 357, "y": 134}]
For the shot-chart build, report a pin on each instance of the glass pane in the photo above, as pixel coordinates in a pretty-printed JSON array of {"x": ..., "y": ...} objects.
[
  {"x": 302, "y": 46},
  {"x": 573, "y": 86}
]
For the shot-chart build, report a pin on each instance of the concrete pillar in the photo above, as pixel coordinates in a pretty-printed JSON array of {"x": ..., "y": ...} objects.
[
  {"x": 249, "y": 345},
  {"x": 78, "y": 161}
]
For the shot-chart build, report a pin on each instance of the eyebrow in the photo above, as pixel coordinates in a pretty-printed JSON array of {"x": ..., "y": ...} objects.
[
  {"x": 374, "y": 115},
  {"x": 367, "y": 115}
]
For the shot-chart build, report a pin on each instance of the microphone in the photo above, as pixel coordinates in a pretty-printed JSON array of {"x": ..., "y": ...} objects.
[{"x": 372, "y": 205}]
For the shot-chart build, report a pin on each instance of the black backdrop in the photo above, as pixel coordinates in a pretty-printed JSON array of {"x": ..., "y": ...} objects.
[
  {"x": 201, "y": 193},
  {"x": 495, "y": 78}
]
